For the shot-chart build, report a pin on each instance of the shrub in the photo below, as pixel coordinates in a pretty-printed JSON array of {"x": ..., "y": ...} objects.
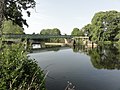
[{"x": 18, "y": 72}]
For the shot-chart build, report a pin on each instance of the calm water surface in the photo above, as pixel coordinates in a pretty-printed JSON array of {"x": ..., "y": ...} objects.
[{"x": 86, "y": 71}]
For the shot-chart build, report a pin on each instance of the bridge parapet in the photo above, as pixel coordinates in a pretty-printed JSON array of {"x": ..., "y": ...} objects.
[{"x": 35, "y": 36}]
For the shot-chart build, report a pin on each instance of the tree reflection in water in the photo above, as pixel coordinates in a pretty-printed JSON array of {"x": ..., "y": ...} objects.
[
  {"x": 102, "y": 57},
  {"x": 105, "y": 57}
]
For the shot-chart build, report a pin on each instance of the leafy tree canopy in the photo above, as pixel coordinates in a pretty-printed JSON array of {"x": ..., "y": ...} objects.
[
  {"x": 104, "y": 26},
  {"x": 13, "y": 10},
  {"x": 76, "y": 31},
  {"x": 117, "y": 36},
  {"x": 10, "y": 28},
  {"x": 54, "y": 31},
  {"x": 87, "y": 29}
]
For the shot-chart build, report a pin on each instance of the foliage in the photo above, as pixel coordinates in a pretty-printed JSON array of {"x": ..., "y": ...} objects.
[
  {"x": 102, "y": 57},
  {"x": 117, "y": 45},
  {"x": 13, "y": 10},
  {"x": 95, "y": 58},
  {"x": 76, "y": 31},
  {"x": 18, "y": 72},
  {"x": 1, "y": 12},
  {"x": 75, "y": 48},
  {"x": 105, "y": 57},
  {"x": 9, "y": 28},
  {"x": 79, "y": 48},
  {"x": 105, "y": 26},
  {"x": 54, "y": 31},
  {"x": 87, "y": 29},
  {"x": 117, "y": 37}
]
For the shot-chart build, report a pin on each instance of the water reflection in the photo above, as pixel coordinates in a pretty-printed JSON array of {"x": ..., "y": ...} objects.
[
  {"x": 81, "y": 48},
  {"x": 87, "y": 68},
  {"x": 102, "y": 57},
  {"x": 47, "y": 49},
  {"x": 105, "y": 57}
]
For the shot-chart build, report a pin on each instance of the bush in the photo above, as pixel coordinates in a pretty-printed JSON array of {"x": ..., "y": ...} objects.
[{"x": 18, "y": 72}]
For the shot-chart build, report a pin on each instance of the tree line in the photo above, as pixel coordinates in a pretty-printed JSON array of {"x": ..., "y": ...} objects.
[{"x": 104, "y": 26}]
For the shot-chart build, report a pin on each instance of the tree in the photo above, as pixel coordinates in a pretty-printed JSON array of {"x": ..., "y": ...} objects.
[
  {"x": 117, "y": 36},
  {"x": 108, "y": 25},
  {"x": 18, "y": 72},
  {"x": 12, "y": 10},
  {"x": 54, "y": 31},
  {"x": 87, "y": 29},
  {"x": 104, "y": 26},
  {"x": 1, "y": 13},
  {"x": 10, "y": 28},
  {"x": 76, "y": 31}
]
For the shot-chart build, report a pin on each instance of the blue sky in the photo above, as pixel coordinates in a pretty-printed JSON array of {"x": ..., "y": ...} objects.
[{"x": 66, "y": 14}]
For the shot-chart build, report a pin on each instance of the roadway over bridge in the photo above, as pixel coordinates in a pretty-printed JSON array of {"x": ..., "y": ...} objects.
[{"x": 35, "y": 36}]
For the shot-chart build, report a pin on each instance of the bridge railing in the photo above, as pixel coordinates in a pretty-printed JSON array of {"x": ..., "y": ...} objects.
[{"x": 35, "y": 36}]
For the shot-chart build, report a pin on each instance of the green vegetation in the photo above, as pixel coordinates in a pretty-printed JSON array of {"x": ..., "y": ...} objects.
[
  {"x": 105, "y": 57},
  {"x": 117, "y": 37},
  {"x": 87, "y": 30},
  {"x": 54, "y": 31},
  {"x": 9, "y": 28},
  {"x": 1, "y": 12},
  {"x": 105, "y": 26},
  {"x": 76, "y": 31},
  {"x": 102, "y": 57},
  {"x": 18, "y": 72},
  {"x": 13, "y": 10}
]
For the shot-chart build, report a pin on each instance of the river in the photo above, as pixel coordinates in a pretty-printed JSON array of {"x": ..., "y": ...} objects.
[{"x": 86, "y": 69}]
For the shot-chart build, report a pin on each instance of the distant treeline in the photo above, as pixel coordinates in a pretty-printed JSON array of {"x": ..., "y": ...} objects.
[{"x": 104, "y": 26}]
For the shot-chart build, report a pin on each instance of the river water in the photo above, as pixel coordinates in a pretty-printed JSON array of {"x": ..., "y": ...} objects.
[{"x": 86, "y": 69}]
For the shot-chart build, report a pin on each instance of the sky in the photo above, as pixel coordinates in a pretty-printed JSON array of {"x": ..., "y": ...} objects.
[{"x": 65, "y": 14}]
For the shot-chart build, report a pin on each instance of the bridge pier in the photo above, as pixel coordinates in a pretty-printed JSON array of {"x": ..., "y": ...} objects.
[{"x": 27, "y": 43}]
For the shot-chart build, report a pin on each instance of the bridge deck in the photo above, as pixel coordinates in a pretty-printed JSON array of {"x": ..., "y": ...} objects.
[{"x": 37, "y": 36}]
